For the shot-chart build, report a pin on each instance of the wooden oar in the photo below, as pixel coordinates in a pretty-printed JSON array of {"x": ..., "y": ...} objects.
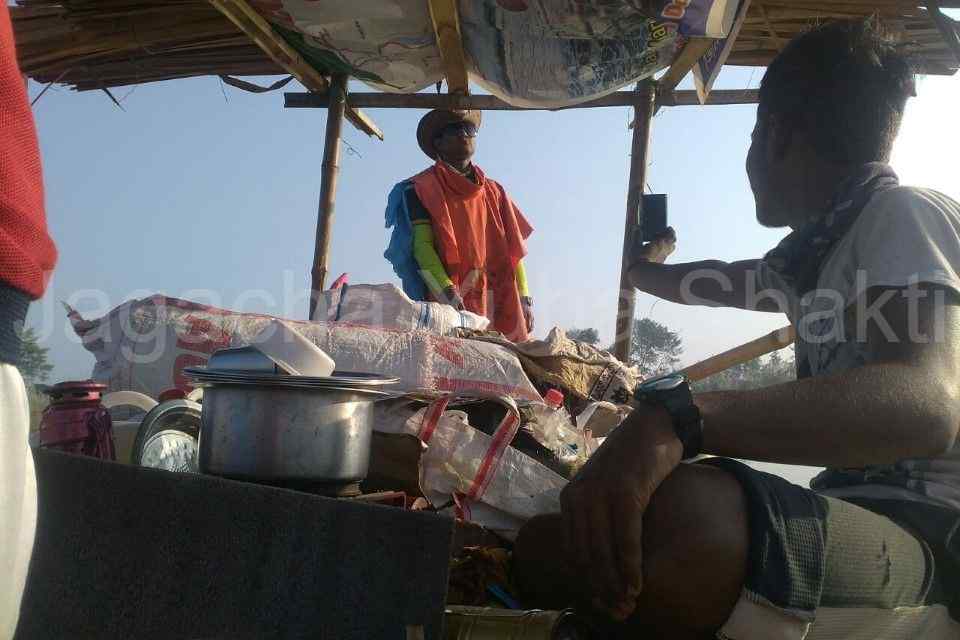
[{"x": 773, "y": 341}]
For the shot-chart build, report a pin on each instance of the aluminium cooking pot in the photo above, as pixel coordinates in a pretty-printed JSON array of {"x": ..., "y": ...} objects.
[{"x": 282, "y": 433}]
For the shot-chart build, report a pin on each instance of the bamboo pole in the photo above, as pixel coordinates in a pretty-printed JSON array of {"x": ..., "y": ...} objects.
[
  {"x": 688, "y": 56},
  {"x": 769, "y": 343},
  {"x": 639, "y": 151},
  {"x": 371, "y": 100},
  {"x": 328, "y": 187},
  {"x": 446, "y": 28},
  {"x": 282, "y": 52}
]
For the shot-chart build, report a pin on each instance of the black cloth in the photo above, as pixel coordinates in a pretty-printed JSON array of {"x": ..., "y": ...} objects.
[
  {"x": 809, "y": 551},
  {"x": 418, "y": 212},
  {"x": 800, "y": 255},
  {"x": 126, "y": 552},
  {"x": 13, "y": 311}
]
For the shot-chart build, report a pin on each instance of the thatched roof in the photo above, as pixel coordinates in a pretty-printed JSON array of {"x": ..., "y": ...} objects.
[
  {"x": 94, "y": 44},
  {"x": 772, "y": 23}
]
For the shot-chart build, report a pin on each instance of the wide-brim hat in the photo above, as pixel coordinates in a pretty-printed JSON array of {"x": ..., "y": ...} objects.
[{"x": 431, "y": 124}]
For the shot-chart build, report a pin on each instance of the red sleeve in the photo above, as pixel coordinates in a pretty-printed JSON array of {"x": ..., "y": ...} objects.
[{"x": 27, "y": 254}]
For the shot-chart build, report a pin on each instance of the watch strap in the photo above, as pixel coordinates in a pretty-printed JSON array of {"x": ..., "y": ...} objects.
[
  {"x": 690, "y": 433},
  {"x": 686, "y": 418}
]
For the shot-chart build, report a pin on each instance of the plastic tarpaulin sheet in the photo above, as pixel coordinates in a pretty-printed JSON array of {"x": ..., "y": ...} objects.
[
  {"x": 144, "y": 345},
  {"x": 535, "y": 53}
]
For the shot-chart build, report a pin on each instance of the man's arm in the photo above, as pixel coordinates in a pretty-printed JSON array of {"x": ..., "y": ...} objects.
[
  {"x": 704, "y": 283},
  {"x": 521, "y": 276},
  {"x": 432, "y": 270},
  {"x": 526, "y": 302},
  {"x": 904, "y": 404}
]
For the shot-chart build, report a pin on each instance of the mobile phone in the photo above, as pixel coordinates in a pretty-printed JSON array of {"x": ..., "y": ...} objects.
[{"x": 653, "y": 217}]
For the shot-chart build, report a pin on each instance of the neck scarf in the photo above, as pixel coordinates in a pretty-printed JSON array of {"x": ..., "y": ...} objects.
[{"x": 799, "y": 257}]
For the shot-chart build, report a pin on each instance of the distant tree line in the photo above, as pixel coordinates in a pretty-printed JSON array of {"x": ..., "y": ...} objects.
[{"x": 656, "y": 349}]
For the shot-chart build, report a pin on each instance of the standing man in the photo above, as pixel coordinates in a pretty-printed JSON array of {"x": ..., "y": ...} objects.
[
  {"x": 27, "y": 256},
  {"x": 869, "y": 278},
  {"x": 458, "y": 238}
]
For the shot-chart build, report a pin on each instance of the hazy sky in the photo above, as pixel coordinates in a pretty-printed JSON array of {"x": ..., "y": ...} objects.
[
  {"x": 197, "y": 196},
  {"x": 207, "y": 193}
]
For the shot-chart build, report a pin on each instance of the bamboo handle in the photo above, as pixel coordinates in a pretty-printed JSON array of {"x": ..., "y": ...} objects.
[{"x": 754, "y": 349}]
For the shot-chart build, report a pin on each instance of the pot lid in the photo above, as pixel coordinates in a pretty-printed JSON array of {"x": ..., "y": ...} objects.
[{"x": 344, "y": 380}]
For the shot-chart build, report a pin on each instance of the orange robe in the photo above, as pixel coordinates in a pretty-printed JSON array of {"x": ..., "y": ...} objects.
[{"x": 479, "y": 234}]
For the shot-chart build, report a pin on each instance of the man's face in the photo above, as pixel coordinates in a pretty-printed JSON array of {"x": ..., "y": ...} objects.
[
  {"x": 456, "y": 142},
  {"x": 765, "y": 167}
]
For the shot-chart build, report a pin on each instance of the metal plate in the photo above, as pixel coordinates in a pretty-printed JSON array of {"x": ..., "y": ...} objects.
[
  {"x": 375, "y": 393},
  {"x": 341, "y": 380}
]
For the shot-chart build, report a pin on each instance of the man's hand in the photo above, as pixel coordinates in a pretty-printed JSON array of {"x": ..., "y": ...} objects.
[
  {"x": 658, "y": 249},
  {"x": 452, "y": 297},
  {"x": 526, "y": 303},
  {"x": 603, "y": 507}
]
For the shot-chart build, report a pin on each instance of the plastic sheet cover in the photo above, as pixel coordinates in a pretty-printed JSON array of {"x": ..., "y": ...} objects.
[{"x": 535, "y": 53}]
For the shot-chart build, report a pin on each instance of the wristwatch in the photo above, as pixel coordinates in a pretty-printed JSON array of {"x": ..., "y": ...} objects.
[{"x": 672, "y": 392}]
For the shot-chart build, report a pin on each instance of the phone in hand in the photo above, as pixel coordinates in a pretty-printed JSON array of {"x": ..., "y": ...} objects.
[{"x": 653, "y": 216}]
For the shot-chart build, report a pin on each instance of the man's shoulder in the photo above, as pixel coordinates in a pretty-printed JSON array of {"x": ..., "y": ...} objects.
[
  {"x": 918, "y": 200},
  {"x": 493, "y": 183},
  {"x": 907, "y": 211},
  {"x": 429, "y": 171}
]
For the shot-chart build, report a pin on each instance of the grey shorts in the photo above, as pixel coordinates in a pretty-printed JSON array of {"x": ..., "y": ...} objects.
[{"x": 824, "y": 568}]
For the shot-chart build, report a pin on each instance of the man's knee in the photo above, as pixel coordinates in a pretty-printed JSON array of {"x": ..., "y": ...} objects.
[
  {"x": 695, "y": 548},
  {"x": 696, "y": 502}
]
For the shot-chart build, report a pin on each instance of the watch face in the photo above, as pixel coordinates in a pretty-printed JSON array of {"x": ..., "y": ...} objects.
[{"x": 663, "y": 383}]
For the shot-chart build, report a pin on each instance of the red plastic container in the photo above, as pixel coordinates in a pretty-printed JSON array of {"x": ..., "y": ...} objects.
[
  {"x": 554, "y": 398},
  {"x": 76, "y": 421}
]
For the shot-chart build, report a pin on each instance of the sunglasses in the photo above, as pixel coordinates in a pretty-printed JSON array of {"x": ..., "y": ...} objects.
[{"x": 467, "y": 129}]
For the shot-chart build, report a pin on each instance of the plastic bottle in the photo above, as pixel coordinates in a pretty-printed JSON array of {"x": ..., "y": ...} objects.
[{"x": 553, "y": 427}]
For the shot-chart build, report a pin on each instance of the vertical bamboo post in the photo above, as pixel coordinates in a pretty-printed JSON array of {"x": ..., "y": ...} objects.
[
  {"x": 328, "y": 187},
  {"x": 639, "y": 153}
]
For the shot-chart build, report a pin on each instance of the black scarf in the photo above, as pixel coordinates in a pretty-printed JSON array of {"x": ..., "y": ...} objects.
[{"x": 799, "y": 257}]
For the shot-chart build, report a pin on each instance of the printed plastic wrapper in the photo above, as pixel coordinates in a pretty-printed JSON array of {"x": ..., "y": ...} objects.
[
  {"x": 144, "y": 345},
  {"x": 385, "y": 306},
  {"x": 540, "y": 53},
  {"x": 490, "y": 482},
  {"x": 581, "y": 371}
]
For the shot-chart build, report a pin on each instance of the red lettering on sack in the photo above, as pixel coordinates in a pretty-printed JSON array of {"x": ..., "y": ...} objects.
[
  {"x": 202, "y": 336},
  {"x": 446, "y": 350},
  {"x": 180, "y": 381},
  {"x": 461, "y": 385}
]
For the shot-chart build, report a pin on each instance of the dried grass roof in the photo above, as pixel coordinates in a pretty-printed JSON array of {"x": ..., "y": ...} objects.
[
  {"x": 94, "y": 44},
  {"x": 770, "y": 24}
]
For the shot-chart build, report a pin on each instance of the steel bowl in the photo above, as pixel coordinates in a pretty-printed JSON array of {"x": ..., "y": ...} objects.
[
  {"x": 283, "y": 433},
  {"x": 179, "y": 422}
]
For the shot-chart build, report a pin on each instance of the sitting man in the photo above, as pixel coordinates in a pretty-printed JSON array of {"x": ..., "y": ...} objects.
[
  {"x": 458, "y": 238},
  {"x": 869, "y": 279}
]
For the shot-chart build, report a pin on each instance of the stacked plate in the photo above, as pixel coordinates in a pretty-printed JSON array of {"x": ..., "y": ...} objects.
[{"x": 339, "y": 380}]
